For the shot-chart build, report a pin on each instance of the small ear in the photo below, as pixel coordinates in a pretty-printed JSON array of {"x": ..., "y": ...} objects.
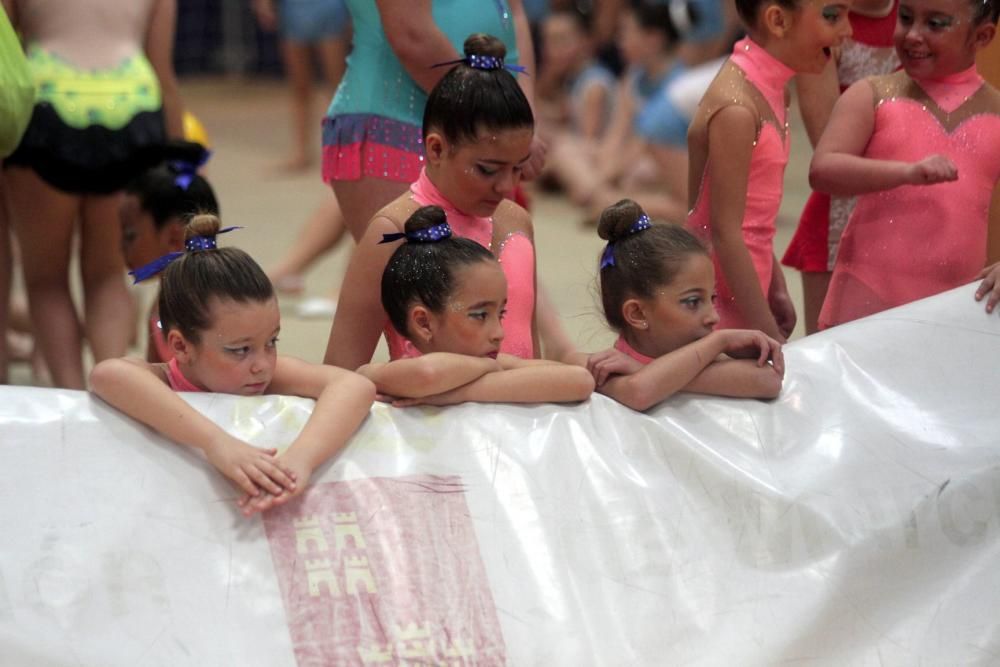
[
  {"x": 435, "y": 147},
  {"x": 181, "y": 347},
  {"x": 420, "y": 325},
  {"x": 776, "y": 20},
  {"x": 634, "y": 314},
  {"x": 172, "y": 236},
  {"x": 983, "y": 35}
]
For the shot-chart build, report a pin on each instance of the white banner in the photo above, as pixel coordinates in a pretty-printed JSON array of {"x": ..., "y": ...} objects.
[{"x": 853, "y": 521}]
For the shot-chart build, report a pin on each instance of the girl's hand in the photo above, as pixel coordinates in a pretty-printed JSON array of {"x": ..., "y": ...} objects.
[
  {"x": 602, "y": 365},
  {"x": 990, "y": 285},
  {"x": 251, "y": 505},
  {"x": 749, "y": 344},
  {"x": 252, "y": 470},
  {"x": 783, "y": 310},
  {"x": 931, "y": 170}
]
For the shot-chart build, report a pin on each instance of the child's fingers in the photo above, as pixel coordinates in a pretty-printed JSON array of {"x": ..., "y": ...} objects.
[
  {"x": 246, "y": 484},
  {"x": 778, "y": 361},
  {"x": 261, "y": 478},
  {"x": 277, "y": 471}
]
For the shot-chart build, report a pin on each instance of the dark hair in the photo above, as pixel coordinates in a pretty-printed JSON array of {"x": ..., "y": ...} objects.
[
  {"x": 163, "y": 198},
  {"x": 193, "y": 280},
  {"x": 425, "y": 272},
  {"x": 983, "y": 10},
  {"x": 748, "y": 9},
  {"x": 467, "y": 100},
  {"x": 644, "y": 261},
  {"x": 657, "y": 15}
]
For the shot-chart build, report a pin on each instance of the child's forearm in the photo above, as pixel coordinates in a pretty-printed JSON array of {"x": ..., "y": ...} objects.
[
  {"x": 846, "y": 175},
  {"x": 430, "y": 374},
  {"x": 738, "y": 378},
  {"x": 138, "y": 393},
  {"x": 339, "y": 411},
  {"x": 536, "y": 383},
  {"x": 664, "y": 376}
]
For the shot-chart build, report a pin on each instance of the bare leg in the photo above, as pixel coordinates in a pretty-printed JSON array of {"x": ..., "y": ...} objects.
[
  {"x": 299, "y": 70},
  {"x": 360, "y": 200},
  {"x": 44, "y": 219},
  {"x": 110, "y": 312},
  {"x": 814, "y": 286},
  {"x": 321, "y": 232}
]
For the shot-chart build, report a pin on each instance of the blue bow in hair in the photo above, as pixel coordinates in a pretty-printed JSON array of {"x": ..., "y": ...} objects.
[
  {"x": 428, "y": 235},
  {"x": 193, "y": 244},
  {"x": 186, "y": 170},
  {"x": 486, "y": 63},
  {"x": 608, "y": 256}
]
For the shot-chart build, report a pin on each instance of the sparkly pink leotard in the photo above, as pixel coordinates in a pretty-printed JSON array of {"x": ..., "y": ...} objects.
[
  {"x": 516, "y": 255},
  {"x": 760, "y": 78},
  {"x": 914, "y": 241},
  {"x": 177, "y": 380},
  {"x": 622, "y": 346}
]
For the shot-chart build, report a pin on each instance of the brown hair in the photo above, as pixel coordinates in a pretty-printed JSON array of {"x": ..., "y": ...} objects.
[
  {"x": 192, "y": 281},
  {"x": 643, "y": 261}
]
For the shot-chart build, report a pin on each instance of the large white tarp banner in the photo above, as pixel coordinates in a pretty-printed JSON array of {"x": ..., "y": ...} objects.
[{"x": 853, "y": 521}]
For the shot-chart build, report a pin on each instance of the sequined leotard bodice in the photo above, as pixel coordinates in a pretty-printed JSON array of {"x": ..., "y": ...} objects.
[
  {"x": 516, "y": 255},
  {"x": 914, "y": 241},
  {"x": 759, "y": 79}
]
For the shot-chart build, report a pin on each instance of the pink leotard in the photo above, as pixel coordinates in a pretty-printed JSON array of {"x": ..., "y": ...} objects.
[
  {"x": 768, "y": 76},
  {"x": 914, "y": 241},
  {"x": 516, "y": 255},
  {"x": 177, "y": 380},
  {"x": 622, "y": 346},
  {"x": 868, "y": 52}
]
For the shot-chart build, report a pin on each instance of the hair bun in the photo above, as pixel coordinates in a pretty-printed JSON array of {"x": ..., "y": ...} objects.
[
  {"x": 481, "y": 44},
  {"x": 425, "y": 217},
  {"x": 202, "y": 224},
  {"x": 617, "y": 219}
]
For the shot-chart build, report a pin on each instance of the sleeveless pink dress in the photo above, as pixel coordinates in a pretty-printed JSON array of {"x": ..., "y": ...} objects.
[
  {"x": 915, "y": 241},
  {"x": 177, "y": 380},
  {"x": 516, "y": 255},
  {"x": 769, "y": 77}
]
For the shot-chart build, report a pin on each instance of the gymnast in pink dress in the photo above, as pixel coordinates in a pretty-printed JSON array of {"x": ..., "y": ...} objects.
[
  {"x": 476, "y": 146},
  {"x": 738, "y": 149},
  {"x": 922, "y": 149}
]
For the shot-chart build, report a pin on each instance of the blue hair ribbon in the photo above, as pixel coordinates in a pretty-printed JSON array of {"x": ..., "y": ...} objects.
[
  {"x": 608, "y": 256},
  {"x": 485, "y": 63},
  {"x": 186, "y": 170},
  {"x": 426, "y": 235},
  {"x": 193, "y": 244}
]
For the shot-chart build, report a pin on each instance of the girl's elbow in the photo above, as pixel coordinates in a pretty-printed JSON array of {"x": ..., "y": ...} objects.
[
  {"x": 103, "y": 376},
  {"x": 581, "y": 385},
  {"x": 640, "y": 396},
  {"x": 768, "y": 384},
  {"x": 818, "y": 180}
]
